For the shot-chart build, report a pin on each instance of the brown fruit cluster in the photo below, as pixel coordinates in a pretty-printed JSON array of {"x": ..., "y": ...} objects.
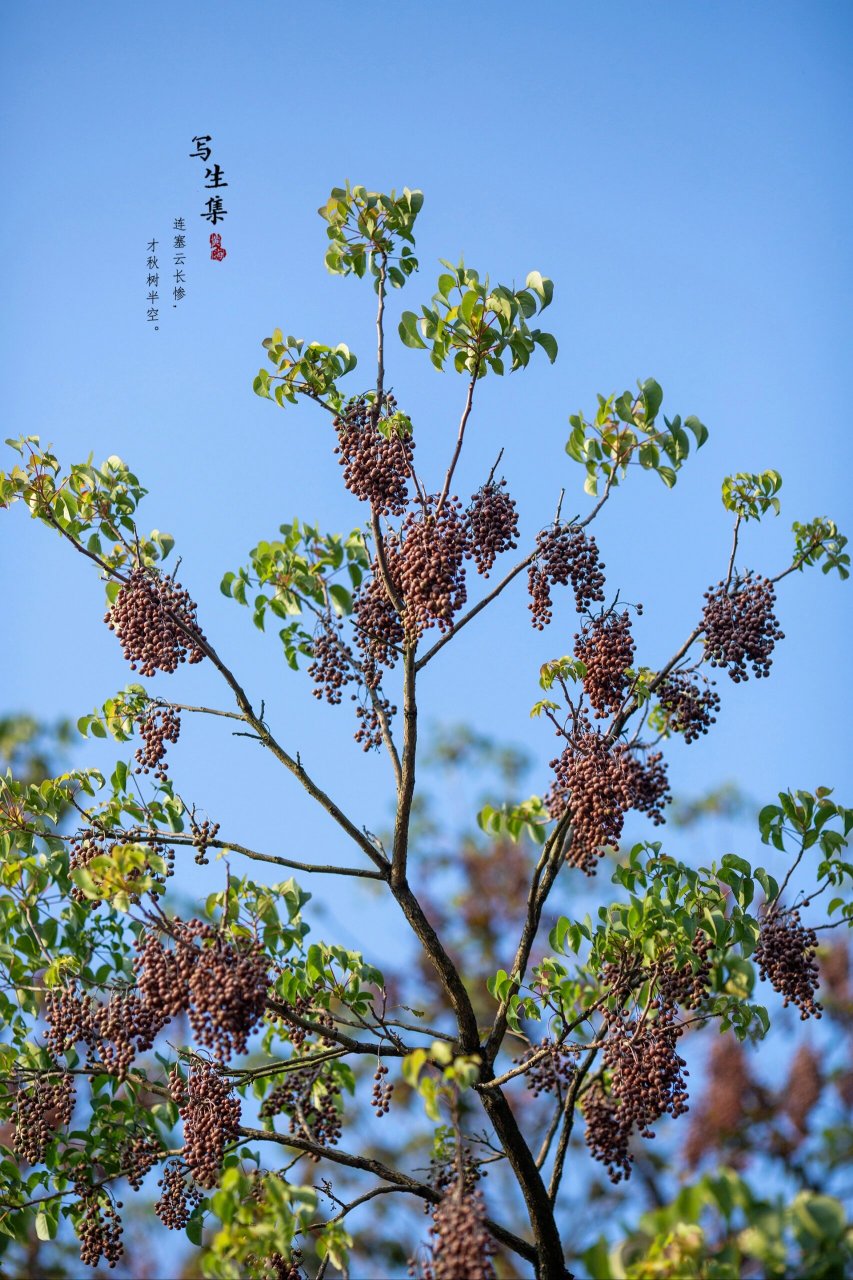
[
  {"x": 606, "y": 648},
  {"x": 369, "y": 731},
  {"x": 210, "y": 1112},
  {"x": 645, "y": 782},
  {"x": 376, "y": 465},
  {"x": 157, "y": 726},
  {"x": 589, "y": 782},
  {"x": 309, "y": 1098},
  {"x": 178, "y": 1197},
  {"x": 155, "y": 622},
  {"x": 99, "y": 1228},
  {"x": 786, "y": 957},
  {"x": 91, "y": 842},
  {"x": 41, "y": 1108},
  {"x": 492, "y": 525},
  {"x": 383, "y": 1089},
  {"x": 275, "y": 1266},
  {"x": 688, "y": 985},
  {"x": 647, "y": 1080},
  {"x": 554, "y": 1071},
  {"x": 689, "y": 710},
  {"x": 379, "y": 632},
  {"x": 203, "y": 835},
  {"x": 138, "y": 1157},
  {"x": 113, "y": 1032},
  {"x": 333, "y": 664},
  {"x": 427, "y": 562},
  {"x": 741, "y": 628},
  {"x": 221, "y": 985},
  {"x": 564, "y": 554},
  {"x": 460, "y": 1243}
]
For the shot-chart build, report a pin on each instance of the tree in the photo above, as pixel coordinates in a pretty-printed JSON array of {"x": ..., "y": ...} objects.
[{"x": 103, "y": 973}]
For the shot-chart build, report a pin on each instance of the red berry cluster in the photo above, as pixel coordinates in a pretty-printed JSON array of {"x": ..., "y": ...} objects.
[
  {"x": 157, "y": 726},
  {"x": 786, "y": 957},
  {"x": 741, "y": 628},
  {"x": 155, "y": 622},
  {"x": 722, "y": 1112},
  {"x": 377, "y": 463},
  {"x": 606, "y": 648},
  {"x": 98, "y": 1227},
  {"x": 369, "y": 731},
  {"x": 803, "y": 1088},
  {"x": 688, "y": 709},
  {"x": 40, "y": 1109},
  {"x": 178, "y": 1197},
  {"x": 220, "y": 984},
  {"x": 564, "y": 554},
  {"x": 460, "y": 1242},
  {"x": 210, "y": 1112},
  {"x": 492, "y": 525}
]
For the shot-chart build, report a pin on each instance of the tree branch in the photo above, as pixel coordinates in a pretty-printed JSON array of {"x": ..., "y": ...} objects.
[
  {"x": 401, "y": 1180},
  {"x": 466, "y": 413}
]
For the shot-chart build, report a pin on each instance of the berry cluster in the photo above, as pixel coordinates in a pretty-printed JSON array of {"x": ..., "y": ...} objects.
[
  {"x": 157, "y": 726},
  {"x": 460, "y": 1241},
  {"x": 40, "y": 1109},
  {"x": 91, "y": 842},
  {"x": 309, "y": 1096},
  {"x": 377, "y": 464},
  {"x": 644, "y": 781},
  {"x": 383, "y": 1089},
  {"x": 369, "y": 731},
  {"x": 275, "y": 1266},
  {"x": 427, "y": 561},
  {"x": 647, "y": 1080},
  {"x": 138, "y": 1157},
  {"x": 332, "y": 665},
  {"x": 155, "y": 622},
  {"x": 379, "y": 632},
  {"x": 492, "y": 525},
  {"x": 221, "y": 985},
  {"x": 178, "y": 1197},
  {"x": 203, "y": 835},
  {"x": 786, "y": 956},
  {"x": 688, "y": 709},
  {"x": 564, "y": 554},
  {"x": 210, "y": 1112},
  {"x": 99, "y": 1227},
  {"x": 589, "y": 783},
  {"x": 552, "y": 1072},
  {"x": 606, "y": 648},
  {"x": 113, "y": 1032},
  {"x": 688, "y": 985},
  {"x": 741, "y": 628}
]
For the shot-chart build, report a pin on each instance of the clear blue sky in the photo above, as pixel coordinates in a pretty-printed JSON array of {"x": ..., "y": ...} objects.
[{"x": 681, "y": 171}]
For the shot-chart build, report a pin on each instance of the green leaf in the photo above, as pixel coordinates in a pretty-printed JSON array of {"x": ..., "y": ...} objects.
[{"x": 409, "y": 332}]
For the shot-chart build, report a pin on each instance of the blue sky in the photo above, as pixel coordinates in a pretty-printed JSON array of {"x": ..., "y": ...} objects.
[{"x": 681, "y": 172}]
